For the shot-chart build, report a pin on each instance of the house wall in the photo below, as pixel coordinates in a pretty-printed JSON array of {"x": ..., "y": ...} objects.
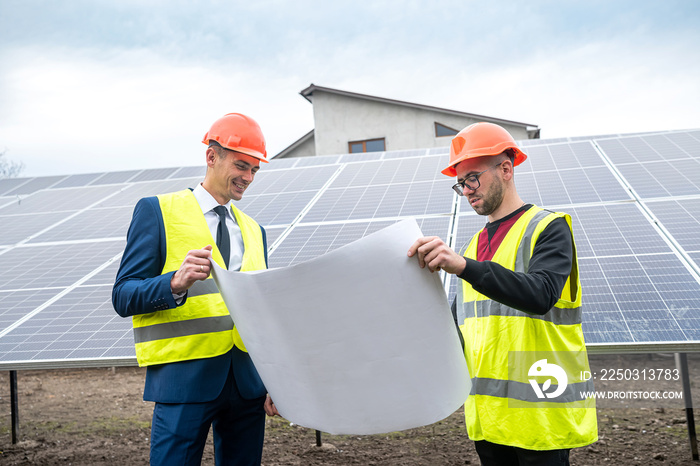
[
  {"x": 340, "y": 119},
  {"x": 305, "y": 149}
]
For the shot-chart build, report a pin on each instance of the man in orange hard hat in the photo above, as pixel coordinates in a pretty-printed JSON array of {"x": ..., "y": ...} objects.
[
  {"x": 518, "y": 308},
  {"x": 199, "y": 373}
]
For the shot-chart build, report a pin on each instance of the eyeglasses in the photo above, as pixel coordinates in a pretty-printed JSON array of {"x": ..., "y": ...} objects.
[{"x": 472, "y": 181}]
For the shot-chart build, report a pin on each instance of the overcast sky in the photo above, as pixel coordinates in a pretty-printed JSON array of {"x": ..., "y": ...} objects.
[{"x": 105, "y": 85}]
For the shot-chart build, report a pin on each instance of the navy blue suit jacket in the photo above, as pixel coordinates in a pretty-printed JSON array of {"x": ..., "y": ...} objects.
[{"x": 141, "y": 289}]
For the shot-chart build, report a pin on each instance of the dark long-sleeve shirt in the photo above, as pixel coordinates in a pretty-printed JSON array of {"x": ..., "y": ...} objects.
[{"x": 536, "y": 291}]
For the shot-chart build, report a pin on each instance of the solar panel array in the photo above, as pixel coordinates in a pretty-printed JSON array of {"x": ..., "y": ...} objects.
[{"x": 635, "y": 203}]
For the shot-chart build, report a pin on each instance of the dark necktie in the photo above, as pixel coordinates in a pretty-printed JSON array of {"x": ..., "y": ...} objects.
[{"x": 223, "y": 240}]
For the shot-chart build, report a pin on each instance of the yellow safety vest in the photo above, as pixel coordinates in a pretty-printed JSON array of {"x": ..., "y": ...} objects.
[
  {"x": 202, "y": 327},
  {"x": 503, "y": 344}
]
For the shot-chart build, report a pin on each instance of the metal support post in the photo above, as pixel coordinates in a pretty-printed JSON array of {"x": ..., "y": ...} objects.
[
  {"x": 14, "y": 406},
  {"x": 318, "y": 438},
  {"x": 682, "y": 366}
]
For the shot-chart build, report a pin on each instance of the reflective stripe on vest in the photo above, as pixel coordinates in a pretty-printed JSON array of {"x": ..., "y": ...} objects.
[
  {"x": 503, "y": 406},
  {"x": 202, "y": 327},
  {"x": 524, "y": 392},
  {"x": 559, "y": 316}
]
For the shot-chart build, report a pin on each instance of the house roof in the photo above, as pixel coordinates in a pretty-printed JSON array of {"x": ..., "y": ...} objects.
[
  {"x": 309, "y": 91},
  {"x": 294, "y": 145}
]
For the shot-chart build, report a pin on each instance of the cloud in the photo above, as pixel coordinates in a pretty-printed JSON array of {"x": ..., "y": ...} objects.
[
  {"x": 130, "y": 109},
  {"x": 127, "y": 84}
]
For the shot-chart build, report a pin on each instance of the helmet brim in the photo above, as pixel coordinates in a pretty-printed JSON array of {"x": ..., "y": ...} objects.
[{"x": 451, "y": 169}]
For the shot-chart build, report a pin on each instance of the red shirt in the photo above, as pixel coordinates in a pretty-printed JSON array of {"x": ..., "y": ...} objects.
[{"x": 492, "y": 235}]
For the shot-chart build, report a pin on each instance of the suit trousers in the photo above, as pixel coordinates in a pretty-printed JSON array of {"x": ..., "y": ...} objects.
[
  {"x": 179, "y": 430},
  {"x": 493, "y": 454}
]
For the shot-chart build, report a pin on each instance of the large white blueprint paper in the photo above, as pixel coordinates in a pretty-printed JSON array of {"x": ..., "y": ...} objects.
[{"x": 358, "y": 341}]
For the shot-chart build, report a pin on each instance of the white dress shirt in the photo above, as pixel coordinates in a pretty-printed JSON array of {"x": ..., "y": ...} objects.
[{"x": 207, "y": 203}]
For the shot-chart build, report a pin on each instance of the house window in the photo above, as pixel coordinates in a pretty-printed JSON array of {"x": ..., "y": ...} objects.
[
  {"x": 442, "y": 130},
  {"x": 368, "y": 145}
]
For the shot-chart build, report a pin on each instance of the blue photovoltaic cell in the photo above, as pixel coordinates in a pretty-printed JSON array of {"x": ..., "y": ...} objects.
[
  {"x": 414, "y": 169},
  {"x": 291, "y": 180},
  {"x": 105, "y": 276},
  {"x": 317, "y": 160},
  {"x": 73, "y": 181},
  {"x": 440, "y": 151},
  {"x": 650, "y": 148},
  {"x": 409, "y": 199},
  {"x": 154, "y": 174},
  {"x": 362, "y": 157},
  {"x": 17, "y": 304},
  {"x": 275, "y": 209},
  {"x": 653, "y": 296},
  {"x": 10, "y": 184},
  {"x": 190, "y": 172},
  {"x": 663, "y": 179},
  {"x": 116, "y": 177},
  {"x": 25, "y": 225},
  {"x": 681, "y": 218},
  {"x": 307, "y": 242},
  {"x": 34, "y": 185},
  {"x": 398, "y": 154},
  {"x": 53, "y": 265},
  {"x": 80, "y": 325},
  {"x": 560, "y": 157},
  {"x": 130, "y": 195},
  {"x": 272, "y": 235},
  {"x": 112, "y": 222},
  {"x": 277, "y": 164},
  {"x": 613, "y": 230},
  {"x": 696, "y": 257},
  {"x": 58, "y": 200}
]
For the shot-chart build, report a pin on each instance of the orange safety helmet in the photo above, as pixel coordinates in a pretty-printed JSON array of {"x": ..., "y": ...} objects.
[
  {"x": 478, "y": 140},
  {"x": 239, "y": 133}
]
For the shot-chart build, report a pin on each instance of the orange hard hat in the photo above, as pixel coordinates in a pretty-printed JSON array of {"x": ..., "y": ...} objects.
[
  {"x": 240, "y": 133},
  {"x": 478, "y": 140}
]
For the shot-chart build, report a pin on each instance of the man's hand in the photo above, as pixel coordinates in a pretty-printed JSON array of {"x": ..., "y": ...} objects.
[
  {"x": 195, "y": 267},
  {"x": 270, "y": 408},
  {"x": 433, "y": 252}
]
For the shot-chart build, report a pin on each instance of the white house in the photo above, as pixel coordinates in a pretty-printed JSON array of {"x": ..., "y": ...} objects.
[{"x": 347, "y": 122}]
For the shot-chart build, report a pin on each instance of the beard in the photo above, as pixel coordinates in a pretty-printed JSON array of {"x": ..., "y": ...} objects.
[{"x": 491, "y": 199}]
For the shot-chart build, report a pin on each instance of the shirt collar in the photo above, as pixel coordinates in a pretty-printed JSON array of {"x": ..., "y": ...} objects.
[{"x": 206, "y": 200}]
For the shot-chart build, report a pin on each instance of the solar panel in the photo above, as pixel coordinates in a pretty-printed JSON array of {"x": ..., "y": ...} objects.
[
  {"x": 127, "y": 195},
  {"x": 681, "y": 217},
  {"x": 110, "y": 222},
  {"x": 117, "y": 177},
  {"x": 631, "y": 299},
  {"x": 560, "y": 157},
  {"x": 16, "y": 304},
  {"x": 634, "y": 201},
  {"x": 58, "y": 200},
  {"x": 308, "y": 241},
  {"x": 81, "y": 325},
  {"x": 190, "y": 172},
  {"x": 26, "y": 225},
  {"x": 154, "y": 174},
  {"x": 73, "y": 181},
  {"x": 10, "y": 184},
  {"x": 33, "y": 185},
  {"x": 53, "y": 265}
]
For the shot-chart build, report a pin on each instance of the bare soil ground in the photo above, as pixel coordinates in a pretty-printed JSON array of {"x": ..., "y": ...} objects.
[{"x": 97, "y": 417}]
